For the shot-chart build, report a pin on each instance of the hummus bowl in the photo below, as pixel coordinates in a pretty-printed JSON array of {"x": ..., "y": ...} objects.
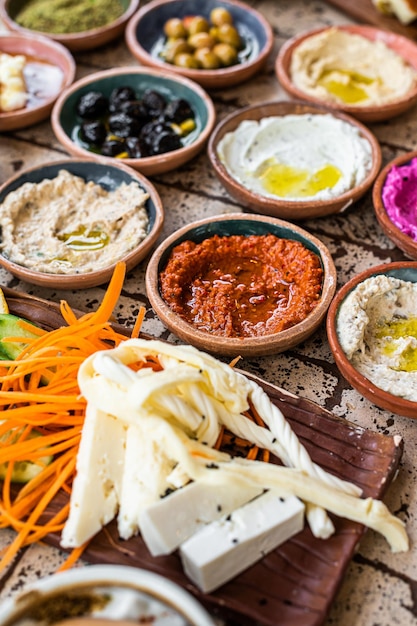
[
  {"x": 345, "y": 90},
  {"x": 48, "y": 68},
  {"x": 75, "y": 41},
  {"x": 145, "y": 39},
  {"x": 368, "y": 322},
  {"x": 170, "y": 89},
  {"x": 395, "y": 200},
  {"x": 83, "y": 218},
  {"x": 241, "y": 307},
  {"x": 325, "y": 176}
]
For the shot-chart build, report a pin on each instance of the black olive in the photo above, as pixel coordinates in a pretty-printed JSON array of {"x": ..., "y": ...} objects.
[
  {"x": 92, "y": 105},
  {"x": 154, "y": 102},
  {"x": 136, "y": 109},
  {"x": 119, "y": 95},
  {"x": 93, "y": 132},
  {"x": 178, "y": 110},
  {"x": 123, "y": 125},
  {"x": 160, "y": 137},
  {"x": 113, "y": 147},
  {"x": 136, "y": 148},
  {"x": 151, "y": 130}
]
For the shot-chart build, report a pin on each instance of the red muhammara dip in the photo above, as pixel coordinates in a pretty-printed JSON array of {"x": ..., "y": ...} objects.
[{"x": 242, "y": 286}]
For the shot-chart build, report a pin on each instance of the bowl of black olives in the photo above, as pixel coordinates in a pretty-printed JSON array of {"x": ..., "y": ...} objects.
[
  {"x": 217, "y": 44},
  {"x": 150, "y": 120}
]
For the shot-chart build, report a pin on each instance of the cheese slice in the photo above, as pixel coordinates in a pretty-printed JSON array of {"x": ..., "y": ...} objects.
[
  {"x": 225, "y": 548},
  {"x": 169, "y": 522},
  {"x": 97, "y": 484},
  {"x": 404, "y": 10}
]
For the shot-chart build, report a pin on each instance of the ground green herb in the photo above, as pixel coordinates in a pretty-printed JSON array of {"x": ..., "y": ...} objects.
[{"x": 68, "y": 16}]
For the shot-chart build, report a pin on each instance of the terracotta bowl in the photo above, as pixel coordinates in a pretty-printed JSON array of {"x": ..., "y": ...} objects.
[
  {"x": 281, "y": 207},
  {"x": 66, "y": 122},
  {"x": 401, "y": 239},
  {"x": 144, "y": 38},
  {"x": 85, "y": 40},
  {"x": 50, "y": 68},
  {"x": 403, "y": 46},
  {"x": 239, "y": 224},
  {"x": 109, "y": 176},
  {"x": 404, "y": 270}
]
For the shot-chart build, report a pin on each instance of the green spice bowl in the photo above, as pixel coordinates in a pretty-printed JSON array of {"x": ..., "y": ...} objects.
[{"x": 74, "y": 41}]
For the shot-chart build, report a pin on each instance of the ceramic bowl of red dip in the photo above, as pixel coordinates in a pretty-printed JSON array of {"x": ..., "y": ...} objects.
[
  {"x": 241, "y": 285},
  {"x": 395, "y": 202}
]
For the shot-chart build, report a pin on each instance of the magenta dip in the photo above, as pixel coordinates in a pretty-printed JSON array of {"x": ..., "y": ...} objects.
[{"x": 399, "y": 195}]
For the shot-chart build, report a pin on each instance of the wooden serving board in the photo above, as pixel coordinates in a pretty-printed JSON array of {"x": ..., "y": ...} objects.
[
  {"x": 296, "y": 583},
  {"x": 364, "y": 11}
]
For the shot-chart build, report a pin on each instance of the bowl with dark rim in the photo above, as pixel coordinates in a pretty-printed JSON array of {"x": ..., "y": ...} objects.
[
  {"x": 403, "y": 270},
  {"x": 74, "y": 41},
  {"x": 279, "y": 206},
  {"x": 109, "y": 177},
  {"x": 402, "y": 239},
  {"x": 145, "y": 39},
  {"x": 403, "y": 46},
  {"x": 67, "y": 124},
  {"x": 48, "y": 69},
  {"x": 244, "y": 225}
]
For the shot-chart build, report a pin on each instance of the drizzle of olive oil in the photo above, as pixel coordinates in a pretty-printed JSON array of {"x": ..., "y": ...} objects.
[
  {"x": 84, "y": 239},
  {"x": 396, "y": 328},
  {"x": 350, "y": 91},
  {"x": 285, "y": 180}
]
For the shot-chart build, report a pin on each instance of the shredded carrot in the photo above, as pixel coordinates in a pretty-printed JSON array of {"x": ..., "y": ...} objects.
[{"x": 139, "y": 321}]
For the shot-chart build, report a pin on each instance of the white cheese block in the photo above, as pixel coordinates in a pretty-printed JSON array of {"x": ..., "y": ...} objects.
[
  {"x": 223, "y": 549},
  {"x": 167, "y": 523},
  {"x": 13, "y": 93},
  {"x": 97, "y": 484},
  {"x": 404, "y": 10}
]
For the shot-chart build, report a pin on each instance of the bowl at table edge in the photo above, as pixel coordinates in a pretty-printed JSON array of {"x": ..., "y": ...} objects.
[
  {"x": 43, "y": 49},
  {"x": 91, "y": 577},
  {"x": 76, "y": 42},
  {"x": 403, "y": 241},
  {"x": 405, "y": 270},
  {"x": 281, "y": 207},
  {"x": 145, "y": 30},
  {"x": 403, "y": 46},
  {"x": 239, "y": 224},
  {"x": 109, "y": 176},
  {"x": 65, "y": 121}
]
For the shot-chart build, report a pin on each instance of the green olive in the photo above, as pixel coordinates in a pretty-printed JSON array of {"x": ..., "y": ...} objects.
[
  {"x": 174, "y": 28},
  {"x": 174, "y": 47},
  {"x": 197, "y": 24},
  {"x": 226, "y": 53},
  {"x": 187, "y": 60},
  {"x": 228, "y": 34},
  {"x": 220, "y": 15},
  {"x": 201, "y": 40},
  {"x": 207, "y": 59}
]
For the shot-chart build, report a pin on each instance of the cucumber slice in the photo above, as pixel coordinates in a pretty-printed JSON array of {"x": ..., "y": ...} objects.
[
  {"x": 10, "y": 327},
  {"x": 23, "y": 471}
]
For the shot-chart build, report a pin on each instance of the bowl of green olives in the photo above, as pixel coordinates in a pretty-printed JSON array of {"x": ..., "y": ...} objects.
[
  {"x": 217, "y": 44},
  {"x": 149, "y": 120}
]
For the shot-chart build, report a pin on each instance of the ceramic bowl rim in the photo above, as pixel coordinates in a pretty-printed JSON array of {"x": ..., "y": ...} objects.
[
  {"x": 266, "y": 344},
  {"x": 376, "y": 395},
  {"x": 99, "y": 276}
]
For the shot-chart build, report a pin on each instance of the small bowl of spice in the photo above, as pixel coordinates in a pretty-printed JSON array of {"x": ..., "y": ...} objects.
[
  {"x": 77, "y": 24},
  {"x": 294, "y": 160},
  {"x": 33, "y": 71},
  {"x": 217, "y": 44},
  {"x": 67, "y": 223},
  {"x": 241, "y": 284},
  {"x": 149, "y": 120},
  {"x": 395, "y": 202},
  {"x": 364, "y": 71},
  {"x": 372, "y": 332}
]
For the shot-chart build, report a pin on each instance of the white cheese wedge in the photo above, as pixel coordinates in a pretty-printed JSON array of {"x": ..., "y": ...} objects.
[
  {"x": 13, "y": 93},
  {"x": 169, "y": 522},
  {"x": 404, "y": 10},
  {"x": 225, "y": 548},
  {"x": 97, "y": 483}
]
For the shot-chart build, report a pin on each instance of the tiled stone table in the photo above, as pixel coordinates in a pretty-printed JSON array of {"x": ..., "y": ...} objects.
[{"x": 380, "y": 588}]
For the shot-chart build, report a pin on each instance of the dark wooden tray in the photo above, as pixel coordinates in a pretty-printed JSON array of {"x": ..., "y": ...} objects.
[{"x": 297, "y": 582}]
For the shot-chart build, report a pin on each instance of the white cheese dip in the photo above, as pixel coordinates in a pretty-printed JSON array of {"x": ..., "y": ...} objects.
[
  {"x": 67, "y": 226},
  {"x": 297, "y": 157},
  {"x": 377, "y": 330}
]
